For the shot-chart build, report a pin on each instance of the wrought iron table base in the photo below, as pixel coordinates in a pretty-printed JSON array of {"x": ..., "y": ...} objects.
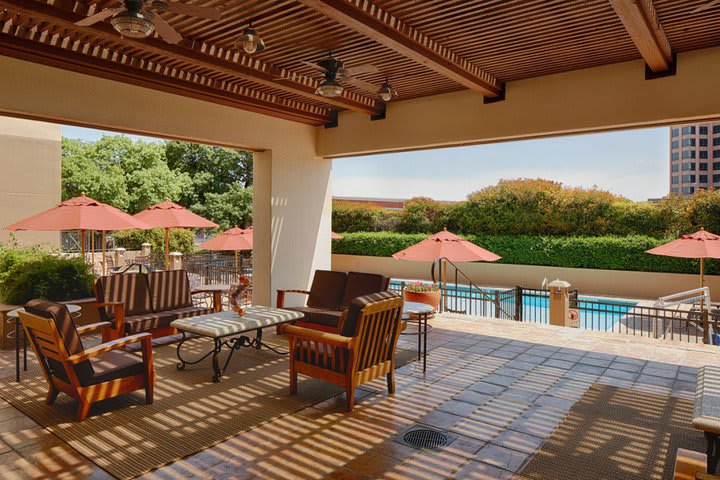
[
  {"x": 233, "y": 343},
  {"x": 421, "y": 319}
]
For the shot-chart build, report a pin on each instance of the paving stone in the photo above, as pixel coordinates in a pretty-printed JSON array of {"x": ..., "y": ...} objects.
[
  {"x": 510, "y": 372},
  {"x": 629, "y": 360},
  {"x": 473, "y": 470},
  {"x": 503, "y": 354},
  {"x": 487, "y": 388},
  {"x": 684, "y": 386},
  {"x": 621, "y": 374},
  {"x": 598, "y": 362},
  {"x": 501, "y": 457},
  {"x": 518, "y": 396},
  {"x": 472, "y": 397},
  {"x": 522, "y": 442},
  {"x": 559, "y": 364},
  {"x": 500, "y": 380},
  {"x": 520, "y": 364},
  {"x": 626, "y": 367},
  {"x": 558, "y": 403},
  {"x": 595, "y": 370},
  {"x": 655, "y": 380},
  {"x": 458, "y": 407},
  {"x": 440, "y": 420}
]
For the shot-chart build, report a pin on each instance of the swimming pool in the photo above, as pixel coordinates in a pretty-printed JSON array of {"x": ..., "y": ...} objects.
[{"x": 593, "y": 313}]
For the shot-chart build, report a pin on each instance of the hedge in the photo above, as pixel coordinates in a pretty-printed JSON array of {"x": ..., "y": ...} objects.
[
  {"x": 606, "y": 252},
  {"x": 181, "y": 240}
]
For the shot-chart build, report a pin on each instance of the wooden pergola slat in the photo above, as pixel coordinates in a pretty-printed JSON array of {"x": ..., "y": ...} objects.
[
  {"x": 371, "y": 21},
  {"x": 642, "y": 23}
]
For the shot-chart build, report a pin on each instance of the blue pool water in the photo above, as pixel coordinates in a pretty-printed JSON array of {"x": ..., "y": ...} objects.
[{"x": 594, "y": 313}]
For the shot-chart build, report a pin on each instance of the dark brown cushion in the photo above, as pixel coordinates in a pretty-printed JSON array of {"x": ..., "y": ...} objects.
[
  {"x": 170, "y": 290},
  {"x": 359, "y": 284},
  {"x": 330, "y": 318},
  {"x": 188, "y": 312},
  {"x": 327, "y": 289},
  {"x": 143, "y": 323},
  {"x": 132, "y": 289},
  {"x": 112, "y": 365},
  {"x": 66, "y": 326},
  {"x": 305, "y": 352},
  {"x": 349, "y": 326}
]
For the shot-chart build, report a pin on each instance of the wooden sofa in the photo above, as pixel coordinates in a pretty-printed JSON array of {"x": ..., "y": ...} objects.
[
  {"x": 331, "y": 294},
  {"x": 146, "y": 302}
]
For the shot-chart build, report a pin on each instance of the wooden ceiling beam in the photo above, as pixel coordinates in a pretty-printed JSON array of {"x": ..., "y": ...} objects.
[
  {"x": 367, "y": 19},
  {"x": 67, "y": 59},
  {"x": 203, "y": 55},
  {"x": 642, "y": 23}
]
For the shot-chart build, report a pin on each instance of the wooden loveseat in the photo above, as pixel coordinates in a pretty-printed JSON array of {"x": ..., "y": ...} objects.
[
  {"x": 330, "y": 296},
  {"x": 140, "y": 302}
]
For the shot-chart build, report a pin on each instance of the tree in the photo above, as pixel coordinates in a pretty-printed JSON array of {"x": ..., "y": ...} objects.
[{"x": 228, "y": 209}]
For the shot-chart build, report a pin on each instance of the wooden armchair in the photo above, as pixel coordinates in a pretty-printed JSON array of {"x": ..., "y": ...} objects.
[
  {"x": 88, "y": 375},
  {"x": 363, "y": 351}
]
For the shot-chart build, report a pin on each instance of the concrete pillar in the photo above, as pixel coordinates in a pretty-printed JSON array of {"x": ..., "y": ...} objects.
[
  {"x": 175, "y": 261},
  {"x": 119, "y": 256},
  {"x": 145, "y": 249},
  {"x": 559, "y": 302}
]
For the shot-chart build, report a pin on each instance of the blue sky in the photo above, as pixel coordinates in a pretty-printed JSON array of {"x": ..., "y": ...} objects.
[{"x": 632, "y": 163}]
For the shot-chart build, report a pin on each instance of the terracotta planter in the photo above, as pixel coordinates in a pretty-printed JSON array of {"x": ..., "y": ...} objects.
[{"x": 428, "y": 298}]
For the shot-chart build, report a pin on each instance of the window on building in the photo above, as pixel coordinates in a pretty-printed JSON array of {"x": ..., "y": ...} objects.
[
  {"x": 674, "y": 190},
  {"x": 676, "y": 179},
  {"x": 688, "y": 167},
  {"x": 703, "y": 142},
  {"x": 703, "y": 166},
  {"x": 716, "y": 128},
  {"x": 703, "y": 154},
  {"x": 691, "y": 154},
  {"x": 688, "y": 130},
  {"x": 675, "y": 155},
  {"x": 675, "y": 143},
  {"x": 716, "y": 178},
  {"x": 675, "y": 167},
  {"x": 674, "y": 132},
  {"x": 702, "y": 178},
  {"x": 703, "y": 130},
  {"x": 688, "y": 190},
  {"x": 688, "y": 142},
  {"x": 716, "y": 141},
  {"x": 688, "y": 178},
  {"x": 716, "y": 153}
]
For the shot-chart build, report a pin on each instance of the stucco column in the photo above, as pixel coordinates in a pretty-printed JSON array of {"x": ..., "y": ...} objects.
[{"x": 292, "y": 207}]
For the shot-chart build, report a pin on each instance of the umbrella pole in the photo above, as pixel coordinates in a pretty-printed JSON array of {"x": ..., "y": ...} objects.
[
  {"x": 236, "y": 255},
  {"x": 82, "y": 244},
  {"x": 702, "y": 272},
  {"x": 167, "y": 248},
  {"x": 104, "y": 256},
  {"x": 92, "y": 249}
]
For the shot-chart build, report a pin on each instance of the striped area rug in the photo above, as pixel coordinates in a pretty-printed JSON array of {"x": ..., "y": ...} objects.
[{"x": 190, "y": 413}]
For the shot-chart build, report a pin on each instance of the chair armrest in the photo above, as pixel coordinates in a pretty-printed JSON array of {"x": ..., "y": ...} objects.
[
  {"x": 317, "y": 336},
  {"x": 93, "y": 326},
  {"x": 119, "y": 314},
  {"x": 281, "y": 296},
  {"x": 106, "y": 347}
]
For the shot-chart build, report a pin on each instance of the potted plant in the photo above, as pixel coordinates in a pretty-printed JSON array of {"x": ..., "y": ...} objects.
[{"x": 428, "y": 293}]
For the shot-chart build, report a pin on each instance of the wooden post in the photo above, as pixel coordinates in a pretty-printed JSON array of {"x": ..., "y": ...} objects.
[
  {"x": 702, "y": 272},
  {"x": 236, "y": 261},
  {"x": 167, "y": 248},
  {"x": 104, "y": 255},
  {"x": 92, "y": 249},
  {"x": 82, "y": 244}
]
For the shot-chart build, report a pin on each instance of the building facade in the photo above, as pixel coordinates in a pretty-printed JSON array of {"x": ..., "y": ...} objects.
[{"x": 694, "y": 157}]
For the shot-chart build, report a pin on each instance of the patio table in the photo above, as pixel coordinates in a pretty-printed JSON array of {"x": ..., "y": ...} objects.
[
  {"x": 228, "y": 329},
  {"x": 14, "y": 315},
  {"x": 419, "y": 312}
]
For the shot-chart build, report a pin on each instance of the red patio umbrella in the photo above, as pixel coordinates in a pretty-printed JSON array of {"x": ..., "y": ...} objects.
[
  {"x": 80, "y": 213},
  {"x": 232, "y": 240},
  {"x": 700, "y": 244},
  {"x": 169, "y": 215},
  {"x": 335, "y": 235},
  {"x": 446, "y": 245}
]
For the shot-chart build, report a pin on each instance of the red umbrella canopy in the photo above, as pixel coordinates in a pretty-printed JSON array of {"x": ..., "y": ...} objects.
[
  {"x": 230, "y": 240},
  {"x": 447, "y": 245},
  {"x": 171, "y": 215},
  {"x": 700, "y": 244},
  {"x": 79, "y": 213},
  {"x": 335, "y": 235}
]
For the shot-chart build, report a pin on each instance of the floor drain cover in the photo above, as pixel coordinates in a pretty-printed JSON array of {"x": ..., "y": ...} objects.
[{"x": 426, "y": 438}]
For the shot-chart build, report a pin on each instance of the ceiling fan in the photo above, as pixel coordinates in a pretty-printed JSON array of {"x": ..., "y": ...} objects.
[
  {"x": 707, "y": 6},
  {"x": 335, "y": 72},
  {"x": 139, "y": 18}
]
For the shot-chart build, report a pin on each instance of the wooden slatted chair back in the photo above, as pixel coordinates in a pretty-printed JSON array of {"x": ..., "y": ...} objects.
[
  {"x": 46, "y": 342},
  {"x": 378, "y": 333}
]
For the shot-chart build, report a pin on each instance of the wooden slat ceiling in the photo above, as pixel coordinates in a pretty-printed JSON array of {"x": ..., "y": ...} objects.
[{"x": 504, "y": 40}]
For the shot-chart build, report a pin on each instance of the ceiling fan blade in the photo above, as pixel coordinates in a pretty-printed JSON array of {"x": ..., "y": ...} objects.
[
  {"x": 99, "y": 17},
  {"x": 361, "y": 69},
  {"x": 164, "y": 29},
  {"x": 707, "y": 6},
  {"x": 367, "y": 86},
  {"x": 194, "y": 10},
  {"x": 313, "y": 65}
]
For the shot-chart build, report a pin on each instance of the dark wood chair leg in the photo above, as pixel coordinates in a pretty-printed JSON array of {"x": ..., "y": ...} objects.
[
  {"x": 52, "y": 395},
  {"x": 350, "y": 394},
  {"x": 391, "y": 381},
  {"x": 293, "y": 383},
  {"x": 149, "y": 391},
  {"x": 83, "y": 410}
]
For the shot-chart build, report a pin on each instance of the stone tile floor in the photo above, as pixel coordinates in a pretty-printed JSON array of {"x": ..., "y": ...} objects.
[{"x": 498, "y": 387}]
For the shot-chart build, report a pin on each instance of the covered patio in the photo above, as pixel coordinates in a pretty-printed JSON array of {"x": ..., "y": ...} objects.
[{"x": 465, "y": 73}]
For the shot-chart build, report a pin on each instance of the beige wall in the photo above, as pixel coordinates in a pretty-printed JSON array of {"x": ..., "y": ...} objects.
[
  {"x": 292, "y": 196},
  {"x": 29, "y": 175},
  {"x": 588, "y": 281},
  {"x": 609, "y": 97}
]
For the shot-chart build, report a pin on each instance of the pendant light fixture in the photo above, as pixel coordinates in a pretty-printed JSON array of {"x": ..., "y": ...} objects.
[
  {"x": 133, "y": 24},
  {"x": 329, "y": 88},
  {"x": 250, "y": 40},
  {"x": 387, "y": 92}
]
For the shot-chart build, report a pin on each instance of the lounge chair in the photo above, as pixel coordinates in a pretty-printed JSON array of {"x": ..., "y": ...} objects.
[
  {"x": 363, "y": 351},
  {"x": 88, "y": 375}
]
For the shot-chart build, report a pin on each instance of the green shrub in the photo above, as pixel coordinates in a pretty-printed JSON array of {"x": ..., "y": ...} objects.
[
  {"x": 43, "y": 275},
  {"x": 360, "y": 217},
  {"x": 181, "y": 239},
  {"x": 606, "y": 252}
]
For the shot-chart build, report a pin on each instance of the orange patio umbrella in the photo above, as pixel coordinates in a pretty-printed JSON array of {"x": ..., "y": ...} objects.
[
  {"x": 700, "y": 244},
  {"x": 233, "y": 240},
  {"x": 80, "y": 213},
  {"x": 448, "y": 246},
  {"x": 169, "y": 215},
  {"x": 334, "y": 235}
]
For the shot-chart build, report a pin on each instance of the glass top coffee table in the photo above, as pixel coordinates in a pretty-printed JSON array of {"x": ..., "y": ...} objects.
[{"x": 228, "y": 329}]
